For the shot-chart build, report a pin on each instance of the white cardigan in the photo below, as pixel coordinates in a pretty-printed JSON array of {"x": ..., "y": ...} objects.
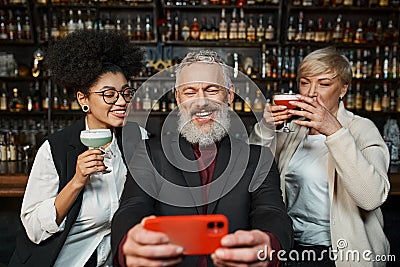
[{"x": 358, "y": 162}]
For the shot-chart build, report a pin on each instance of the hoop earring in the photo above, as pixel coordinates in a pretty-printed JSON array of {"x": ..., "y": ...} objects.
[{"x": 85, "y": 108}]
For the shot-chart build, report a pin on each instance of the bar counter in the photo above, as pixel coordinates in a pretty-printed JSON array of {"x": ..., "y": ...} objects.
[{"x": 13, "y": 185}]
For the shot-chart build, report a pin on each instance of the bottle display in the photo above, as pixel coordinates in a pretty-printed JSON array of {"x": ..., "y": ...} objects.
[{"x": 265, "y": 39}]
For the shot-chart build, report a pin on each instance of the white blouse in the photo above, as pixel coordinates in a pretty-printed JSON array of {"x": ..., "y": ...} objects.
[{"x": 92, "y": 227}]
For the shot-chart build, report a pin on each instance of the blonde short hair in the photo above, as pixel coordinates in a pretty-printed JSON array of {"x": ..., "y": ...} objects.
[{"x": 325, "y": 60}]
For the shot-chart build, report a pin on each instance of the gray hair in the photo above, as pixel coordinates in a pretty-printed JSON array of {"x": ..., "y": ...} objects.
[
  {"x": 325, "y": 60},
  {"x": 206, "y": 56}
]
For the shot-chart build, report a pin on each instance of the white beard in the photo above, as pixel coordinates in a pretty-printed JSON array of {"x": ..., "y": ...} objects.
[{"x": 195, "y": 134}]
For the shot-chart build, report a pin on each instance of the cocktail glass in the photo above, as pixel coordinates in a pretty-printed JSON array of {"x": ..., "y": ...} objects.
[
  {"x": 282, "y": 99},
  {"x": 96, "y": 138}
]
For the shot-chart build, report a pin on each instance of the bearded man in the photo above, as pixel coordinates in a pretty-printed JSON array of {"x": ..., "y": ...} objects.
[{"x": 201, "y": 169}]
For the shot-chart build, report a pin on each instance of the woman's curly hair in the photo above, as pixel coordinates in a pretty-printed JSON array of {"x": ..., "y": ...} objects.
[{"x": 78, "y": 60}]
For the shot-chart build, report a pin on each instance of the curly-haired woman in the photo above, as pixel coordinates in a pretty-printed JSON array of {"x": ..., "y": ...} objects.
[{"x": 69, "y": 201}]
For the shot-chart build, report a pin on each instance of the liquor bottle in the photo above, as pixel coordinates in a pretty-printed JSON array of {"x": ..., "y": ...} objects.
[
  {"x": 359, "y": 97},
  {"x": 394, "y": 64},
  {"x": 203, "y": 29},
  {"x": 242, "y": 26},
  {"x": 251, "y": 30},
  {"x": 71, "y": 26},
  {"x": 260, "y": 32},
  {"x": 138, "y": 32},
  {"x": 296, "y": 2},
  {"x": 329, "y": 32},
  {"x": 185, "y": 31},
  {"x": 54, "y": 30},
  {"x": 213, "y": 33},
  {"x": 300, "y": 28},
  {"x": 223, "y": 27},
  {"x": 238, "y": 101},
  {"x": 291, "y": 32},
  {"x": 320, "y": 33},
  {"x": 79, "y": 22},
  {"x": 270, "y": 30},
  {"x": 3, "y": 26},
  {"x": 65, "y": 102},
  {"x": 18, "y": 28},
  {"x": 11, "y": 26},
  {"x": 258, "y": 102},
  {"x": 348, "y": 2},
  {"x": 347, "y": 33},
  {"x": 292, "y": 63},
  {"x": 16, "y": 103},
  {"x": 357, "y": 73},
  {"x": 377, "y": 104},
  {"x": 27, "y": 29},
  {"x": 392, "y": 100},
  {"x": 46, "y": 96},
  {"x": 378, "y": 34},
  {"x": 3, "y": 97},
  {"x": 370, "y": 30},
  {"x": 247, "y": 101},
  {"x": 75, "y": 105},
  {"x": 386, "y": 63},
  {"x": 233, "y": 27},
  {"x": 147, "y": 104},
  {"x": 137, "y": 104},
  {"x": 337, "y": 35},
  {"x": 36, "y": 99},
  {"x": 194, "y": 30},
  {"x": 367, "y": 65},
  {"x": 310, "y": 32},
  {"x": 172, "y": 105},
  {"x": 148, "y": 29},
  {"x": 390, "y": 33},
  {"x": 168, "y": 34},
  {"x": 368, "y": 101},
  {"x": 268, "y": 63},
  {"x": 3, "y": 148},
  {"x": 164, "y": 101},
  {"x": 176, "y": 31},
  {"x": 285, "y": 63},
  {"x": 11, "y": 148},
  {"x": 350, "y": 99},
  {"x": 385, "y": 98},
  {"x": 359, "y": 37},
  {"x": 263, "y": 74},
  {"x": 88, "y": 23},
  {"x": 55, "y": 103},
  {"x": 155, "y": 105},
  {"x": 377, "y": 72}
]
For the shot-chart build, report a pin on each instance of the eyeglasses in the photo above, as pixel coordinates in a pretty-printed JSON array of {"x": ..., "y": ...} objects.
[{"x": 111, "y": 96}]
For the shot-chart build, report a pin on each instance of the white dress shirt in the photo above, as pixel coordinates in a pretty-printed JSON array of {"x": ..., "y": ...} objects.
[{"x": 91, "y": 230}]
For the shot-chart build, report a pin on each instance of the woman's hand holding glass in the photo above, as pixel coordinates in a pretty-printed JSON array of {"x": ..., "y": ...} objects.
[
  {"x": 89, "y": 162},
  {"x": 318, "y": 117}
]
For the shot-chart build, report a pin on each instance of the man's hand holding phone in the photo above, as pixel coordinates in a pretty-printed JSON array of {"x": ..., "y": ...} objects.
[
  {"x": 149, "y": 248},
  {"x": 242, "y": 249}
]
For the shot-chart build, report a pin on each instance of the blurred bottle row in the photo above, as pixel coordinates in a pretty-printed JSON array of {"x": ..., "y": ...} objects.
[
  {"x": 21, "y": 137},
  {"x": 40, "y": 97},
  {"x": 348, "y": 3}
]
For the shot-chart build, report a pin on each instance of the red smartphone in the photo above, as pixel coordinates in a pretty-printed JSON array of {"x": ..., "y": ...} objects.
[{"x": 197, "y": 234}]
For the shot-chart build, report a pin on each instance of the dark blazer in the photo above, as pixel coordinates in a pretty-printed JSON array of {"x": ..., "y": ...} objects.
[
  {"x": 65, "y": 149},
  {"x": 239, "y": 166}
]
